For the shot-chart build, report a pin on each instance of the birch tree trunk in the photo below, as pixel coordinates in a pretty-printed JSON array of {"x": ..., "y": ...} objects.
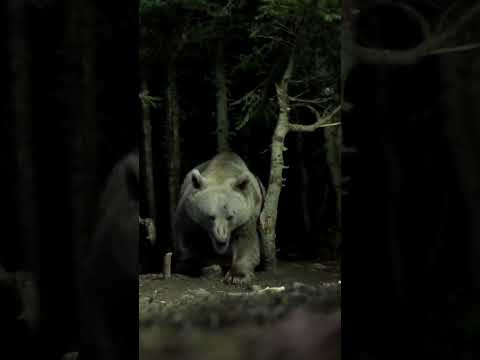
[
  {"x": 268, "y": 218},
  {"x": 173, "y": 139},
  {"x": 148, "y": 182},
  {"x": 222, "y": 109}
]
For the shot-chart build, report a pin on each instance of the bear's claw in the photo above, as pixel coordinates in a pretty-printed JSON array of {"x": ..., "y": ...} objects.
[{"x": 239, "y": 278}]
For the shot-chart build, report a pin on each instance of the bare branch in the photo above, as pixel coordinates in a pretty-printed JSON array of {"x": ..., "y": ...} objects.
[
  {"x": 321, "y": 121},
  {"x": 411, "y": 56},
  {"x": 316, "y": 101},
  {"x": 444, "y": 16},
  {"x": 288, "y": 73},
  {"x": 284, "y": 28},
  {"x": 455, "y": 49},
  {"x": 275, "y": 39},
  {"x": 415, "y": 15},
  {"x": 239, "y": 101}
]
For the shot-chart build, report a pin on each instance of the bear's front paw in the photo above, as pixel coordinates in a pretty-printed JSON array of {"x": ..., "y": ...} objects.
[{"x": 239, "y": 278}]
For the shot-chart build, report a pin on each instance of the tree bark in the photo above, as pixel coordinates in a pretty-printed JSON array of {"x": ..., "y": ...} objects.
[
  {"x": 173, "y": 139},
  {"x": 82, "y": 109},
  {"x": 333, "y": 147},
  {"x": 20, "y": 66},
  {"x": 148, "y": 181},
  {"x": 268, "y": 217},
  {"x": 222, "y": 101},
  {"x": 304, "y": 188}
]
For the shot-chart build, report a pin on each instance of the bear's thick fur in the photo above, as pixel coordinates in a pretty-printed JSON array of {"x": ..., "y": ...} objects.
[{"x": 220, "y": 198}]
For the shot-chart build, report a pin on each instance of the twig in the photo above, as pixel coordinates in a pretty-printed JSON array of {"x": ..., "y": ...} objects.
[
  {"x": 321, "y": 121},
  {"x": 455, "y": 49}
]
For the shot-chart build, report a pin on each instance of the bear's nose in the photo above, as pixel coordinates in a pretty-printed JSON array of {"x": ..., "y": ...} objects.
[{"x": 221, "y": 233}]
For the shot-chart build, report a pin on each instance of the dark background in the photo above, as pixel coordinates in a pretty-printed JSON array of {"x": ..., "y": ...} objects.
[
  {"x": 69, "y": 112},
  {"x": 411, "y": 228},
  {"x": 411, "y": 254}
]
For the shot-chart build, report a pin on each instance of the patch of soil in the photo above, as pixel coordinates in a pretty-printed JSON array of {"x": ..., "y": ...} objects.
[{"x": 203, "y": 318}]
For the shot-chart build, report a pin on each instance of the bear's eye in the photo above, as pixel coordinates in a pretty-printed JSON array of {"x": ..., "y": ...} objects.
[
  {"x": 229, "y": 217},
  {"x": 211, "y": 217}
]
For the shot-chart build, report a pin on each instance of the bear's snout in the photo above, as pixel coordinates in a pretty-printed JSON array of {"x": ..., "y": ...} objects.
[
  {"x": 220, "y": 236},
  {"x": 220, "y": 231}
]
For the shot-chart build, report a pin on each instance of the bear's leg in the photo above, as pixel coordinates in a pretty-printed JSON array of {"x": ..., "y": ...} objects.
[{"x": 245, "y": 255}]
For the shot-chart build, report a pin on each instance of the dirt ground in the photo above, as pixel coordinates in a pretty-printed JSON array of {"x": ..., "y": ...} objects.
[{"x": 203, "y": 318}]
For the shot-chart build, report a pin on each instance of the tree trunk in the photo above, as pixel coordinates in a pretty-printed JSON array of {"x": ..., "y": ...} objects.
[
  {"x": 304, "y": 193},
  {"x": 333, "y": 147},
  {"x": 173, "y": 139},
  {"x": 222, "y": 110},
  {"x": 148, "y": 182},
  {"x": 268, "y": 218},
  {"x": 463, "y": 134},
  {"x": 82, "y": 109},
  {"x": 22, "y": 136}
]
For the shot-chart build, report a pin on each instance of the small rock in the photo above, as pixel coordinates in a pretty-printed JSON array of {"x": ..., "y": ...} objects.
[
  {"x": 301, "y": 286},
  {"x": 254, "y": 287},
  {"x": 200, "y": 292},
  {"x": 235, "y": 294},
  {"x": 180, "y": 276},
  {"x": 187, "y": 297},
  {"x": 319, "y": 266},
  {"x": 273, "y": 289},
  {"x": 70, "y": 356}
]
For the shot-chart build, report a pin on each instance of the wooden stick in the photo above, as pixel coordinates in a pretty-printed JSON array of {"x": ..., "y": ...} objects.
[{"x": 167, "y": 265}]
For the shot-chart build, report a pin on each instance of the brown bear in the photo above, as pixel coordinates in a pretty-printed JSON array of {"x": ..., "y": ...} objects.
[{"x": 219, "y": 207}]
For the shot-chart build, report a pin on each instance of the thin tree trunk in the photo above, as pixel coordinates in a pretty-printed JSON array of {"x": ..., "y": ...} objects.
[
  {"x": 268, "y": 218},
  {"x": 333, "y": 147},
  {"x": 304, "y": 190},
  {"x": 463, "y": 133},
  {"x": 81, "y": 113},
  {"x": 82, "y": 109},
  {"x": 173, "y": 139},
  {"x": 222, "y": 110},
  {"x": 19, "y": 65},
  {"x": 149, "y": 184}
]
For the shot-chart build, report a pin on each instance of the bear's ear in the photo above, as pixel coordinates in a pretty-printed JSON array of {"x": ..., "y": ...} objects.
[
  {"x": 241, "y": 183},
  {"x": 198, "y": 181}
]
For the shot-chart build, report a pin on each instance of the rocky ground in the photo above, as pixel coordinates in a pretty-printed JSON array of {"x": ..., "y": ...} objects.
[{"x": 292, "y": 313}]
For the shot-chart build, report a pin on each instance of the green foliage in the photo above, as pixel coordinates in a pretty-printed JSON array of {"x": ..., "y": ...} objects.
[
  {"x": 193, "y": 23},
  {"x": 258, "y": 37},
  {"x": 310, "y": 30},
  {"x": 249, "y": 104}
]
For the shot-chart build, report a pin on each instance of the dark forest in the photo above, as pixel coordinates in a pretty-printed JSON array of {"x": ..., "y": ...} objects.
[{"x": 350, "y": 207}]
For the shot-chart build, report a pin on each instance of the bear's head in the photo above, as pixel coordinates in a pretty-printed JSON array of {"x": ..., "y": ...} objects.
[{"x": 219, "y": 207}]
